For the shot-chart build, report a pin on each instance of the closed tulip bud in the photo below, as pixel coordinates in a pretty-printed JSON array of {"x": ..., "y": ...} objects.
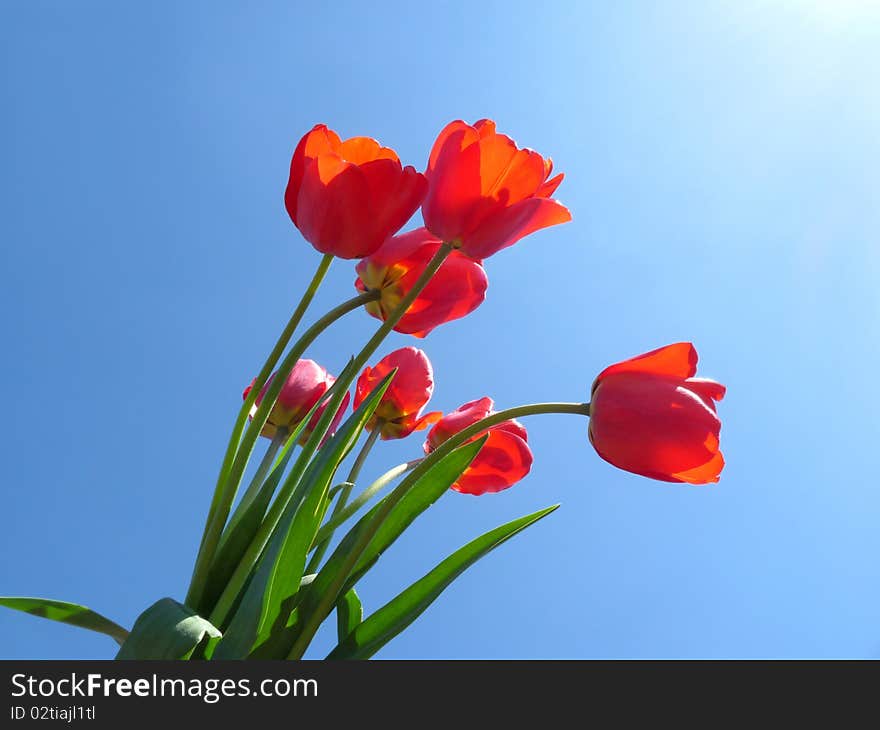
[
  {"x": 649, "y": 415},
  {"x": 400, "y": 411},
  {"x": 503, "y": 460},
  {"x": 304, "y": 387}
]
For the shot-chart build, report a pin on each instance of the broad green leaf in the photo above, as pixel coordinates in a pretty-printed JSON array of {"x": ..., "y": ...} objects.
[
  {"x": 167, "y": 630},
  {"x": 349, "y": 613},
  {"x": 66, "y": 613},
  {"x": 380, "y": 527},
  {"x": 386, "y": 623},
  {"x": 281, "y": 568}
]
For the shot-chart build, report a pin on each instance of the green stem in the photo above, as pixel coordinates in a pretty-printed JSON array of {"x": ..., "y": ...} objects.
[
  {"x": 227, "y": 493},
  {"x": 311, "y": 623},
  {"x": 343, "y": 497},
  {"x": 262, "y": 470},
  {"x": 255, "y": 549},
  {"x": 377, "y": 486},
  {"x": 241, "y": 419}
]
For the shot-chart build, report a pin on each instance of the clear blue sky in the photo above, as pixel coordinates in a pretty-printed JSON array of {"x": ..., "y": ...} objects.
[{"x": 722, "y": 165}]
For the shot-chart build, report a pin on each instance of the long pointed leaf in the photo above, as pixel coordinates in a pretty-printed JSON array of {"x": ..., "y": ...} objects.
[
  {"x": 386, "y": 623},
  {"x": 380, "y": 527},
  {"x": 290, "y": 493},
  {"x": 244, "y": 525},
  {"x": 349, "y": 613},
  {"x": 66, "y": 613},
  {"x": 281, "y": 568}
]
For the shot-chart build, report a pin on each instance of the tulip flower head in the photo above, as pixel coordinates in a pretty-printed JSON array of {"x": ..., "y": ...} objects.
[
  {"x": 305, "y": 386},
  {"x": 485, "y": 193},
  {"x": 400, "y": 411},
  {"x": 504, "y": 459},
  {"x": 649, "y": 415},
  {"x": 347, "y": 197},
  {"x": 456, "y": 289}
]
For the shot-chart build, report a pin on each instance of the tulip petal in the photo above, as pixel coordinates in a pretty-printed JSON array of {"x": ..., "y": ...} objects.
[
  {"x": 320, "y": 140},
  {"x": 456, "y": 420},
  {"x": 707, "y": 389},
  {"x": 708, "y": 473},
  {"x": 653, "y": 426},
  {"x": 549, "y": 187},
  {"x": 678, "y": 360},
  {"x": 503, "y": 461},
  {"x": 467, "y": 135},
  {"x": 505, "y": 228},
  {"x": 454, "y": 182},
  {"x": 334, "y": 207},
  {"x": 360, "y": 150}
]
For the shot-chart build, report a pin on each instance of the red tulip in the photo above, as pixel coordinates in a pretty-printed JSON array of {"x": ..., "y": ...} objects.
[
  {"x": 484, "y": 193},
  {"x": 305, "y": 386},
  {"x": 456, "y": 289},
  {"x": 650, "y": 416},
  {"x": 347, "y": 197},
  {"x": 504, "y": 459},
  {"x": 399, "y": 411}
]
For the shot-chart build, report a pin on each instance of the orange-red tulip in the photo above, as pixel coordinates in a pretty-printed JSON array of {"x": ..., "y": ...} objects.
[
  {"x": 504, "y": 459},
  {"x": 484, "y": 193},
  {"x": 456, "y": 289},
  {"x": 400, "y": 410},
  {"x": 347, "y": 197},
  {"x": 304, "y": 387},
  {"x": 651, "y": 416}
]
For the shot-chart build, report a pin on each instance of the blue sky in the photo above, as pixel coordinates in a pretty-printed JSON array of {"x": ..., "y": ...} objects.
[{"x": 722, "y": 165}]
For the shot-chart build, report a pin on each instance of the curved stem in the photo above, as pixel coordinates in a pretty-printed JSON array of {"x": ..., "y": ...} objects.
[
  {"x": 337, "y": 519},
  {"x": 457, "y": 439},
  {"x": 343, "y": 382},
  {"x": 330, "y": 596},
  {"x": 263, "y": 469},
  {"x": 359, "y": 461},
  {"x": 345, "y": 493},
  {"x": 227, "y": 493},
  {"x": 241, "y": 419}
]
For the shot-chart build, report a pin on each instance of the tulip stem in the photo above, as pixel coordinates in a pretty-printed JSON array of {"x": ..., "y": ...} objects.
[
  {"x": 328, "y": 599},
  {"x": 257, "y": 545},
  {"x": 344, "y": 494},
  {"x": 336, "y": 519},
  {"x": 241, "y": 419},
  {"x": 534, "y": 409},
  {"x": 263, "y": 469},
  {"x": 224, "y": 498}
]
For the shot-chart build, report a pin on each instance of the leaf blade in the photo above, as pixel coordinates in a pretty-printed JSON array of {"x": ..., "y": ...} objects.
[
  {"x": 280, "y": 570},
  {"x": 349, "y": 613},
  {"x": 67, "y": 613},
  {"x": 167, "y": 630},
  {"x": 396, "y": 615}
]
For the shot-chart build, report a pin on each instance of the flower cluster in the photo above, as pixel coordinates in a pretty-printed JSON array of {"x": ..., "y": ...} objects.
[
  {"x": 260, "y": 586},
  {"x": 479, "y": 194}
]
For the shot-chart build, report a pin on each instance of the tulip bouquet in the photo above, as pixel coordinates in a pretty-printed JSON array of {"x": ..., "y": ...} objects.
[{"x": 265, "y": 578}]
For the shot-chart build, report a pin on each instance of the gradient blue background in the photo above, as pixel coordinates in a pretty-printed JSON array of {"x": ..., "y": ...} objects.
[{"x": 722, "y": 165}]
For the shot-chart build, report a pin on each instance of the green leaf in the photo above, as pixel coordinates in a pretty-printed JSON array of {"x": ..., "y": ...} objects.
[
  {"x": 66, "y": 613},
  {"x": 244, "y": 525},
  {"x": 167, "y": 630},
  {"x": 290, "y": 493},
  {"x": 382, "y": 626},
  {"x": 278, "y": 574},
  {"x": 349, "y": 613},
  {"x": 380, "y": 527}
]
